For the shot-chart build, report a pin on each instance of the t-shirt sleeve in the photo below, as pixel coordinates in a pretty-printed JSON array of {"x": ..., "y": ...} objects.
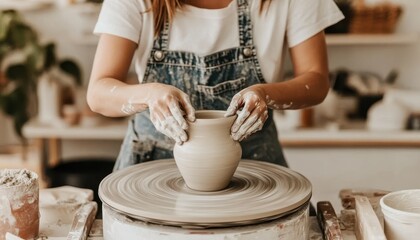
[
  {"x": 308, "y": 17},
  {"x": 122, "y": 18}
]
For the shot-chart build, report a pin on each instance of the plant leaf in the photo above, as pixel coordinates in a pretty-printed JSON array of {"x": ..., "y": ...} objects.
[
  {"x": 70, "y": 67},
  {"x": 18, "y": 72},
  {"x": 20, "y": 35},
  {"x": 20, "y": 118},
  {"x": 15, "y": 105},
  {"x": 2, "y": 101},
  {"x": 36, "y": 59},
  {"x": 5, "y": 21},
  {"x": 50, "y": 58}
]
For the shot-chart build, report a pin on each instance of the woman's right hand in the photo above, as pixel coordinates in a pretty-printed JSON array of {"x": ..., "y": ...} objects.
[{"x": 168, "y": 105}]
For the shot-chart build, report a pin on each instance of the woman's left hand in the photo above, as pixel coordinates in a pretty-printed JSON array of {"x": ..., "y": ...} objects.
[{"x": 251, "y": 102}]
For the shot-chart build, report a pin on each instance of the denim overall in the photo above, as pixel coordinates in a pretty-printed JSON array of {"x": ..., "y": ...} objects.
[{"x": 210, "y": 81}]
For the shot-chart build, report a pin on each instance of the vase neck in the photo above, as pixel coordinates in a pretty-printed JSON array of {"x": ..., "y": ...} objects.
[{"x": 219, "y": 129}]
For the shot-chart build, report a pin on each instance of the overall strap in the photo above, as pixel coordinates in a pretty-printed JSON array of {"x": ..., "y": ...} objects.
[
  {"x": 162, "y": 40},
  {"x": 245, "y": 24}
]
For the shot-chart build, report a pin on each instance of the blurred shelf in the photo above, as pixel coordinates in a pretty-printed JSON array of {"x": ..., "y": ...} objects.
[
  {"x": 319, "y": 137},
  {"x": 25, "y": 5},
  {"x": 106, "y": 130},
  {"x": 371, "y": 39},
  {"x": 313, "y": 137}
]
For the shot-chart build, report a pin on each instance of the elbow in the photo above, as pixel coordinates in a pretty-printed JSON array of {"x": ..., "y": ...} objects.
[
  {"x": 323, "y": 89},
  {"x": 92, "y": 101}
]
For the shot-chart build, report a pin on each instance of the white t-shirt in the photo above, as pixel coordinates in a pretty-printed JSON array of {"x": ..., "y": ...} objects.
[{"x": 205, "y": 31}]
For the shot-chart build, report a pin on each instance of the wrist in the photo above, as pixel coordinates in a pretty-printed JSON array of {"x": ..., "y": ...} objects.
[
  {"x": 260, "y": 90},
  {"x": 140, "y": 95}
]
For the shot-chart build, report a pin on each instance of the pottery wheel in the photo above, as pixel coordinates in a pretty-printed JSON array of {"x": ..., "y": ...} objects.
[{"x": 155, "y": 192}]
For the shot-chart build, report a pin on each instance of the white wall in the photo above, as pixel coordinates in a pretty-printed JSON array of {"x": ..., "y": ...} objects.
[
  {"x": 71, "y": 29},
  {"x": 333, "y": 169}
]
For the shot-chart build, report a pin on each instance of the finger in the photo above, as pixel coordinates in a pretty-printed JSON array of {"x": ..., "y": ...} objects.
[
  {"x": 242, "y": 131},
  {"x": 162, "y": 123},
  {"x": 234, "y": 105},
  {"x": 176, "y": 112},
  {"x": 162, "y": 127},
  {"x": 169, "y": 131},
  {"x": 257, "y": 126},
  {"x": 251, "y": 102},
  {"x": 244, "y": 114},
  {"x": 174, "y": 127},
  {"x": 189, "y": 109},
  {"x": 180, "y": 133},
  {"x": 156, "y": 117}
]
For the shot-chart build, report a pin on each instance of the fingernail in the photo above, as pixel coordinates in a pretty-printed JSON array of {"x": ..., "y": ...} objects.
[
  {"x": 184, "y": 126},
  {"x": 235, "y": 127},
  {"x": 228, "y": 113},
  {"x": 184, "y": 138},
  {"x": 235, "y": 137},
  {"x": 191, "y": 118}
]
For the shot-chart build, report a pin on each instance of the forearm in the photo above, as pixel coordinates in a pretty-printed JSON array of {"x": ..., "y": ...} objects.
[
  {"x": 305, "y": 90},
  {"x": 113, "y": 98}
]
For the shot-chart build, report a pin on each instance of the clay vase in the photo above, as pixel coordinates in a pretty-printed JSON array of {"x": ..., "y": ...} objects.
[{"x": 208, "y": 160}]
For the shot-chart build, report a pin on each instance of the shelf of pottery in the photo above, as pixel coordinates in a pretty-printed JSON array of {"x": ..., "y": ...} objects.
[{"x": 360, "y": 89}]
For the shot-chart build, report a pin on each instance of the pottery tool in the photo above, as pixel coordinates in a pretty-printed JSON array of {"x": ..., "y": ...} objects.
[
  {"x": 82, "y": 222},
  {"x": 59, "y": 205},
  {"x": 347, "y": 197},
  {"x": 367, "y": 226},
  {"x": 347, "y": 219},
  {"x": 328, "y": 221}
]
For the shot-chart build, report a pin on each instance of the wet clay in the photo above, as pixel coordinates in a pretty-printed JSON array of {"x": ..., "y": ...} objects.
[
  {"x": 208, "y": 160},
  {"x": 19, "y": 203}
]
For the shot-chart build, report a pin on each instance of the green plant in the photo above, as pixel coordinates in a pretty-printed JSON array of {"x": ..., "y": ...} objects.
[{"x": 23, "y": 59}]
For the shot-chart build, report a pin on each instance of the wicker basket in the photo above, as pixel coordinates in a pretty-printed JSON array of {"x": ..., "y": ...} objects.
[{"x": 380, "y": 18}]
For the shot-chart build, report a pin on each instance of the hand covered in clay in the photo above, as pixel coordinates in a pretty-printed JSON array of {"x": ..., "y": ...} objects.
[
  {"x": 168, "y": 105},
  {"x": 252, "y": 115}
]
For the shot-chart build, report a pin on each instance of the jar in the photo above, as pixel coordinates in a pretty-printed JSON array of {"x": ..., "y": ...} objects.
[
  {"x": 19, "y": 203},
  {"x": 208, "y": 160}
]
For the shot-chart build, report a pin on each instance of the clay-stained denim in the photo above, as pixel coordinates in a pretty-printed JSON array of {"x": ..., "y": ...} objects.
[{"x": 211, "y": 81}]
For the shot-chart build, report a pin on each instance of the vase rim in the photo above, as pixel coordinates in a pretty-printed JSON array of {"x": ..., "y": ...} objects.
[{"x": 212, "y": 116}]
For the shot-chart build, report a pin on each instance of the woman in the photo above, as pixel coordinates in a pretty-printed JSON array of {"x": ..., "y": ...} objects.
[{"x": 198, "y": 54}]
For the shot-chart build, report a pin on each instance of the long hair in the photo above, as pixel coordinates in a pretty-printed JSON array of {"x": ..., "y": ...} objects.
[{"x": 164, "y": 10}]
